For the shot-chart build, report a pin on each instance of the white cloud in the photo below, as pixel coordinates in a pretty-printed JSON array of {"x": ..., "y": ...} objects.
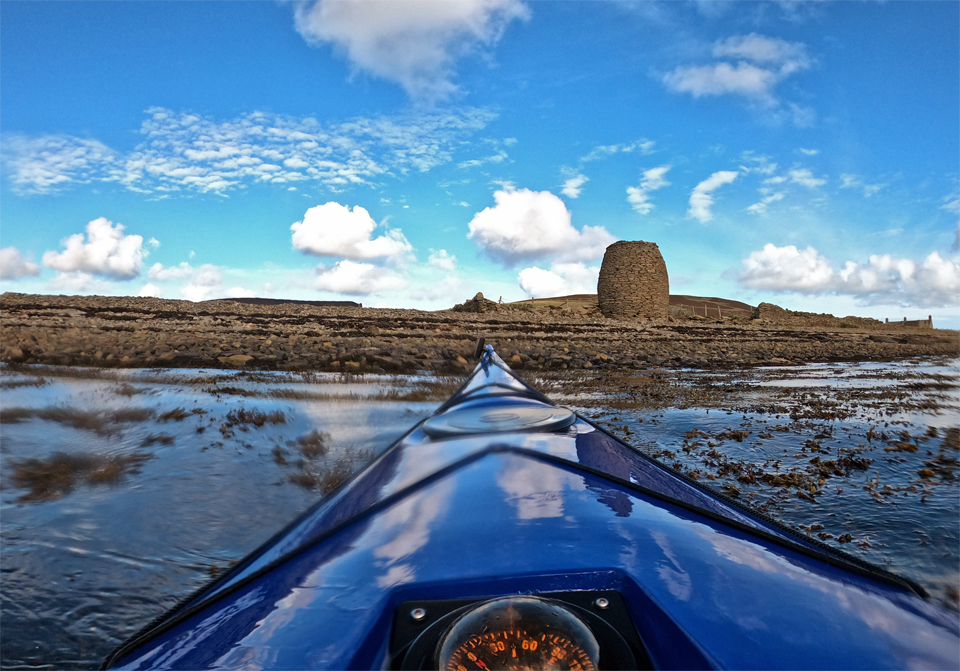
[
  {"x": 412, "y": 43},
  {"x": 352, "y": 278},
  {"x": 639, "y": 196},
  {"x": 499, "y": 157},
  {"x": 528, "y": 224},
  {"x": 934, "y": 282},
  {"x": 108, "y": 253},
  {"x": 563, "y": 279},
  {"x": 206, "y": 283},
  {"x": 79, "y": 281},
  {"x": 333, "y": 229},
  {"x": 45, "y": 164},
  {"x": 153, "y": 242},
  {"x": 645, "y": 147},
  {"x": 951, "y": 203},
  {"x": 809, "y": 152},
  {"x": 158, "y": 272},
  {"x": 13, "y": 265},
  {"x": 573, "y": 185},
  {"x": 849, "y": 181},
  {"x": 700, "y": 199},
  {"x": 788, "y": 57},
  {"x": 759, "y": 164},
  {"x": 712, "y": 80},
  {"x": 239, "y": 292},
  {"x": 442, "y": 260},
  {"x": 185, "y": 152},
  {"x": 761, "y": 63},
  {"x": 761, "y": 207},
  {"x": 786, "y": 268},
  {"x": 149, "y": 291},
  {"x": 805, "y": 178}
]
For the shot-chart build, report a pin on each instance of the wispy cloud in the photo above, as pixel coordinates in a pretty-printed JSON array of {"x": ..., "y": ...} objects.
[
  {"x": 765, "y": 202},
  {"x": 414, "y": 44},
  {"x": 574, "y": 184},
  {"x": 804, "y": 177},
  {"x": 750, "y": 66},
  {"x": 639, "y": 196},
  {"x": 848, "y": 181},
  {"x": 701, "y": 199},
  {"x": 190, "y": 153},
  {"x": 643, "y": 147}
]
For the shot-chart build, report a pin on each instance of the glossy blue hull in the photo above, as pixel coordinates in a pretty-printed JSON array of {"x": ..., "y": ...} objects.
[{"x": 451, "y": 512}]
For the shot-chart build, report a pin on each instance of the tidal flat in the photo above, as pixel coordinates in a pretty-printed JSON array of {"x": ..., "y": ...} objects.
[{"x": 124, "y": 490}]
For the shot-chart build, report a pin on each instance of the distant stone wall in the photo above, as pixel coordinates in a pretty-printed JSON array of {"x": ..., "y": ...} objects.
[
  {"x": 775, "y": 314},
  {"x": 633, "y": 282}
]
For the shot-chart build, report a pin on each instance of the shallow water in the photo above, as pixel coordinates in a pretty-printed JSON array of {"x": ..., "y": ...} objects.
[
  {"x": 124, "y": 491},
  {"x": 86, "y": 564}
]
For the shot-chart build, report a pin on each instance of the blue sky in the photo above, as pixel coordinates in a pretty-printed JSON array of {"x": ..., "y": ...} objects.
[{"x": 410, "y": 154}]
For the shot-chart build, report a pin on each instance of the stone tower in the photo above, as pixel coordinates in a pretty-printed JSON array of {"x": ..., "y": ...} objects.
[{"x": 633, "y": 281}]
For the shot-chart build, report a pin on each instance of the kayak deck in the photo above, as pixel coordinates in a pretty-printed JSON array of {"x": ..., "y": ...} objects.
[{"x": 543, "y": 503}]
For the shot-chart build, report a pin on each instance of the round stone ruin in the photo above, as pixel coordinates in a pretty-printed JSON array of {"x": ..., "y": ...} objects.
[{"x": 633, "y": 282}]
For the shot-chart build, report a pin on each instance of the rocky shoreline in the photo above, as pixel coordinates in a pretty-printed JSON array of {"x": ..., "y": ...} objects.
[{"x": 149, "y": 332}]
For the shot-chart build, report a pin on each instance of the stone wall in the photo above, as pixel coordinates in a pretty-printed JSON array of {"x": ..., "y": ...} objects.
[
  {"x": 633, "y": 282},
  {"x": 774, "y": 314}
]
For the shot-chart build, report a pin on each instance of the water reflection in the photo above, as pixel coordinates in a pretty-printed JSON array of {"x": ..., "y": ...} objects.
[{"x": 124, "y": 493}]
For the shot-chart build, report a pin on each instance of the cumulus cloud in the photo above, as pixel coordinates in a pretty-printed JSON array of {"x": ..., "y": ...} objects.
[
  {"x": 786, "y": 268},
  {"x": 573, "y": 185},
  {"x": 158, "y": 272},
  {"x": 206, "y": 283},
  {"x": 149, "y": 291},
  {"x": 748, "y": 65},
  {"x": 357, "y": 279},
  {"x": 562, "y": 279},
  {"x": 13, "y": 265},
  {"x": 443, "y": 260},
  {"x": 933, "y": 282},
  {"x": 412, "y": 43},
  {"x": 809, "y": 152},
  {"x": 80, "y": 282},
  {"x": 107, "y": 252},
  {"x": 701, "y": 199},
  {"x": 187, "y": 152},
  {"x": 804, "y": 177},
  {"x": 526, "y": 225},
  {"x": 639, "y": 196},
  {"x": 333, "y": 229}
]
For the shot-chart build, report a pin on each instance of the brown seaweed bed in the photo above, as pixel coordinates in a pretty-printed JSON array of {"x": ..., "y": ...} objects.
[{"x": 124, "y": 490}]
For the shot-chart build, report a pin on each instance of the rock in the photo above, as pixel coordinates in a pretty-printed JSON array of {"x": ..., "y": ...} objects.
[
  {"x": 235, "y": 360},
  {"x": 476, "y": 304}
]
